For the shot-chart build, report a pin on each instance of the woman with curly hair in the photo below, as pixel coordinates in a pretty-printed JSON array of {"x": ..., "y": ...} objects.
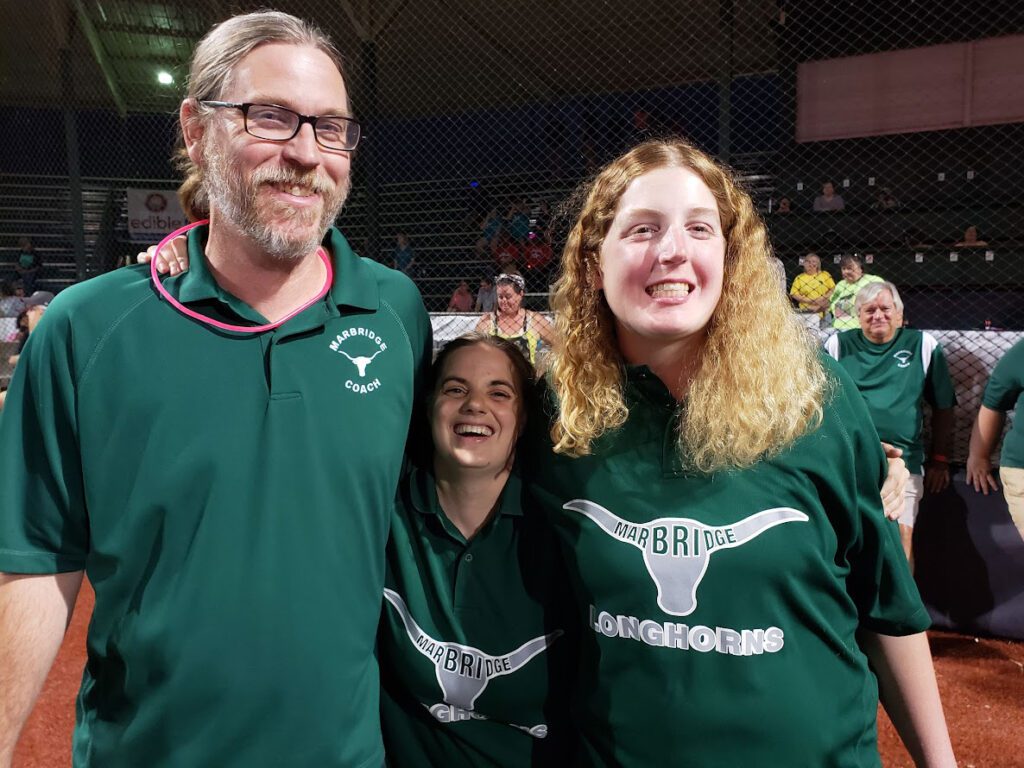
[{"x": 715, "y": 486}]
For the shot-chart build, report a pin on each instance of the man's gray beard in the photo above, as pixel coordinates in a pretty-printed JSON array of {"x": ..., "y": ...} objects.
[{"x": 236, "y": 200}]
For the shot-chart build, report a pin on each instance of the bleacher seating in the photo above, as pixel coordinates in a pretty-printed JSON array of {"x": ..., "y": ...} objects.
[{"x": 435, "y": 216}]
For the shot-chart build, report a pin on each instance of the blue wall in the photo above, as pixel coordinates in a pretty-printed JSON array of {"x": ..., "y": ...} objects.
[{"x": 562, "y": 136}]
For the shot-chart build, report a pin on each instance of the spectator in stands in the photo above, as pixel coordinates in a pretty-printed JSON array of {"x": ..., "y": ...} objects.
[
  {"x": 784, "y": 206},
  {"x": 1004, "y": 392},
  {"x": 403, "y": 258},
  {"x": 898, "y": 369},
  {"x": 829, "y": 199},
  {"x": 518, "y": 222},
  {"x": 26, "y": 324},
  {"x": 462, "y": 298},
  {"x": 971, "y": 239},
  {"x": 486, "y": 296},
  {"x": 478, "y": 203},
  {"x": 490, "y": 228},
  {"x": 538, "y": 261},
  {"x": 812, "y": 288},
  {"x": 505, "y": 250},
  {"x": 531, "y": 331},
  {"x": 841, "y": 305},
  {"x": 12, "y": 301},
  {"x": 27, "y": 264},
  {"x": 779, "y": 271},
  {"x": 885, "y": 200}
]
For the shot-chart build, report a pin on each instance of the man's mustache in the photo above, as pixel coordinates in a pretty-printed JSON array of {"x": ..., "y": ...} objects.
[{"x": 312, "y": 180}]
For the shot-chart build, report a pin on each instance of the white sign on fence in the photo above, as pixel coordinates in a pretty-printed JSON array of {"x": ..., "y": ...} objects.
[{"x": 153, "y": 213}]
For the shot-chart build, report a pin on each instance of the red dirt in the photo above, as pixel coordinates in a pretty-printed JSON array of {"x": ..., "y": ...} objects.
[{"x": 981, "y": 680}]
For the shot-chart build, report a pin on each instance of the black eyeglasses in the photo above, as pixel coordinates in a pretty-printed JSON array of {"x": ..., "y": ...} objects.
[{"x": 274, "y": 123}]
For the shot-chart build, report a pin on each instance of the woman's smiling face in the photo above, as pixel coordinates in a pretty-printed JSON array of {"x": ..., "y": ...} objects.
[
  {"x": 476, "y": 408},
  {"x": 663, "y": 261}
]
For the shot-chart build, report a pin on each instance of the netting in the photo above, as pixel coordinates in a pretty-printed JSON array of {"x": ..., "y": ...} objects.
[{"x": 480, "y": 118}]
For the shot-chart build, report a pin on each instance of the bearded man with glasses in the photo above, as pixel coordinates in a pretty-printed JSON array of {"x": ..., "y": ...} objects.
[{"x": 219, "y": 450}]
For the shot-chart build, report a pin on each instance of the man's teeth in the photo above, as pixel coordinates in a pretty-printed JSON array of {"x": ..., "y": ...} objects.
[
  {"x": 668, "y": 290},
  {"x": 295, "y": 189},
  {"x": 473, "y": 429}
]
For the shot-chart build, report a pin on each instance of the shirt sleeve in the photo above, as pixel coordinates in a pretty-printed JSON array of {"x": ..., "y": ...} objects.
[
  {"x": 938, "y": 387},
  {"x": 1007, "y": 380},
  {"x": 43, "y": 517},
  {"x": 832, "y": 346},
  {"x": 879, "y": 580},
  {"x": 422, "y": 337}
]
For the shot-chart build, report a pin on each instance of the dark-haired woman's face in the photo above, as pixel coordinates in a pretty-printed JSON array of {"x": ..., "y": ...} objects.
[
  {"x": 852, "y": 271},
  {"x": 509, "y": 300},
  {"x": 474, "y": 417}
]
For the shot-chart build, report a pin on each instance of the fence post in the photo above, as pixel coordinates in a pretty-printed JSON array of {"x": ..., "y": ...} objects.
[{"x": 74, "y": 167}]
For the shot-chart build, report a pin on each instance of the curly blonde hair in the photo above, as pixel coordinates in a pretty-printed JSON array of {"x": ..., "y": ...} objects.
[{"x": 759, "y": 383}]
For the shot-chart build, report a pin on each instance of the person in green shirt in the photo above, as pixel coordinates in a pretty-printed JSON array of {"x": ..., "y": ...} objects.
[
  {"x": 475, "y": 642},
  {"x": 715, "y": 492},
  {"x": 1004, "y": 392},
  {"x": 841, "y": 305},
  {"x": 898, "y": 370},
  {"x": 28, "y": 264},
  {"x": 234, "y": 529}
]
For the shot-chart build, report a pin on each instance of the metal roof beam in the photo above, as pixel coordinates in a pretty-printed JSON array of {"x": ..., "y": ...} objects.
[
  {"x": 150, "y": 30},
  {"x": 101, "y": 59}
]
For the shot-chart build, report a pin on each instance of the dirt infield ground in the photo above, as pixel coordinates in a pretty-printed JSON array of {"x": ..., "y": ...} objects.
[{"x": 982, "y": 684}]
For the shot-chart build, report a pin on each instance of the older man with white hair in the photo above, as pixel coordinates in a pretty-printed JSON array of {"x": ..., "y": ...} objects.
[
  {"x": 219, "y": 451},
  {"x": 897, "y": 370}
]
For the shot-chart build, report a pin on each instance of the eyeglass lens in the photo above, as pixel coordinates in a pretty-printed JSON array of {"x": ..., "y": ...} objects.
[{"x": 279, "y": 124}]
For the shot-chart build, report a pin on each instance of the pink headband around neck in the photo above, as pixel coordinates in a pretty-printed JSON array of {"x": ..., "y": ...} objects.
[{"x": 155, "y": 276}]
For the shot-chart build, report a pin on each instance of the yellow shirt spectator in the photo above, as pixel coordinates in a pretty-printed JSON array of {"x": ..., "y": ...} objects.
[{"x": 812, "y": 289}]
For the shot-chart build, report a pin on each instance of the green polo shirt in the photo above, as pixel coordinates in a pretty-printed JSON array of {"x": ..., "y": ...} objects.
[
  {"x": 228, "y": 496},
  {"x": 476, "y": 646},
  {"x": 895, "y": 378},
  {"x": 721, "y": 610},
  {"x": 1005, "y": 392}
]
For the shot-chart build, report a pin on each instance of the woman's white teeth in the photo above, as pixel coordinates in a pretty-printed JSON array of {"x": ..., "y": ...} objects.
[
  {"x": 473, "y": 429},
  {"x": 668, "y": 290}
]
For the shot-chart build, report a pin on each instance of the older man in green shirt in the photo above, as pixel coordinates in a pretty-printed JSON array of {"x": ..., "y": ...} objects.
[
  {"x": 219, "y": 453},
  {"x": 897, "y": 370}
]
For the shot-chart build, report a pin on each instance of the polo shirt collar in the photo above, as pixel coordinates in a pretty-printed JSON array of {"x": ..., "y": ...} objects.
[
  {"x": 423, "y": 495},
  {"x": 198, "y": 284},
  {"x": 354, "y": 285},
  {"x": 643, "y": 380}
]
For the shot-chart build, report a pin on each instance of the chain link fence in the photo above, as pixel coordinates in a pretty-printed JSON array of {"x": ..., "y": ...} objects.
[{"x": 890, "y": 131}]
